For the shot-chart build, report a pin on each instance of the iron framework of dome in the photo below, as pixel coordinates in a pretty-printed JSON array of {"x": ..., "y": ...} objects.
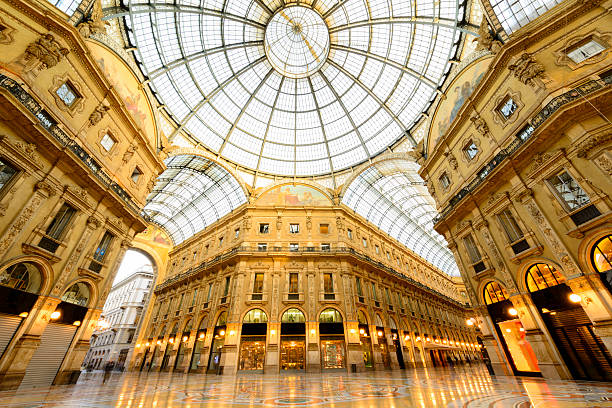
[{"x": 302, "y": 89}]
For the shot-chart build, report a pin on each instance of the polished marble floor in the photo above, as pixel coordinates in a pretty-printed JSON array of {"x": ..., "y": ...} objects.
[{"x": 461, "y": 387}]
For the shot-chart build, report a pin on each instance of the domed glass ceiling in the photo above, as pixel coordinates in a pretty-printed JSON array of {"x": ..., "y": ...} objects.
[{"x": 300, "y": 89}]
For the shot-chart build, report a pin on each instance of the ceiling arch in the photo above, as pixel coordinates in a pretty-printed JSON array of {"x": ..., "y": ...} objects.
[
  {"x": 390, "y": 194},
  {"x": 192, "y": 193}
]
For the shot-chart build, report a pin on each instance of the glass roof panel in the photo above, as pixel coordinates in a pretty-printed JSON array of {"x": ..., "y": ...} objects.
[
  {"x": 391, "y": 195},
  {"x": 67, "y": 6},
  {"x": 192, "y": 193},
  {"x": 513, "y": 14},
  {"x": 294, "y": 88}
]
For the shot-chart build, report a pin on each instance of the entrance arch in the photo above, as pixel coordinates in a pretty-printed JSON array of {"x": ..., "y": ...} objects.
[
  {"x": 331, "y": 332},
  {"x": 571, "y": 329}
]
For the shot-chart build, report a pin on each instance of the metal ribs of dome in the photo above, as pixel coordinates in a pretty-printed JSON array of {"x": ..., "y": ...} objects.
[{"x": 205, "y": 61}]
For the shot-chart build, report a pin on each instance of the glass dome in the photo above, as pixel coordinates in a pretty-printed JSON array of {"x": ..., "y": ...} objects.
[{"x": 294, "y": 89}]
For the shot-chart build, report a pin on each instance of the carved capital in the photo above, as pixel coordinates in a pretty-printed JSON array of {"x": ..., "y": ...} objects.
[
  {"x": 46, "y": 51},
  {"x": 45, "y": 188},
  {"x": 526, "y": 69},
  {"x": 93, "y": 223}
]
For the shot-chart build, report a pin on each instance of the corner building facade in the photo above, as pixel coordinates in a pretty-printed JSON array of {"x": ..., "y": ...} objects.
[
  {"x": 522, "y": 180},
  {"x": 292, "y": 281}
]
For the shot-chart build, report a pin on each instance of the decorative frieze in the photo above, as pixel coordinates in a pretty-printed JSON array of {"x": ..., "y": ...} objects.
[{"x": 527, "y": 70}]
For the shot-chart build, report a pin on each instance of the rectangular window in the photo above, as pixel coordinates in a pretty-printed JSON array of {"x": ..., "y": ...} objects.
[
  {"x": 444, "y": 181},
  {"x": 328, "y": 283},
  {"x": 220, "y": 242},
  {"x": 236, "y": 232},
  {"x": 262, "y": 247},
  {"x": 470, "y": 150},
  {"x": 264, "y": 228},
  {"x": 180, "y": 303},
  {"x": 568, "y": 191},
  {"x": 227, "y": 285},
  {"x": 67, "y": 94},
  {"x": 349, "y": 233},
  {"x": 325, "y": 247},
  {"x": 258, "y": 283},
  {"x": 584, "y": 50},
  {"x": 388, "y": 256},
  {"x": 103, "y": 246},
  {"x": 195, "y": 297},
  {"x": 195, "y": 255},
  {"x": 7, "y": 174},
  {"x": 210, "y": 287},
  {"x": 511, "y": 227},
  {"x": 293, "y": 283},
  {"x": 358, "y": 284},
  {"x": 377, "y": 249},
  {"x": 206, "y": 248},
  {"x": 60, "y": 221},
  {"x": 387, "y": 296},
  {"x": 136, "y": 174},
  {"x": 294, "y": 228},
  {"x": 107, "y": 142},
  {"x": 364, "y": 242},
  {"x": 374, "y": 295},
  {"x": 400, "y": 301},
  {"x": 324, "y": 228},
  {"x": 472, "y": 249},
  {"x": 293, "y": 247},
  {"x": 507, "y": 108}
]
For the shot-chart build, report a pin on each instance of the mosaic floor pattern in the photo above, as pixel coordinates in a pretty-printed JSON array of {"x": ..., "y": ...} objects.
[{"x": 462, "y": 387}]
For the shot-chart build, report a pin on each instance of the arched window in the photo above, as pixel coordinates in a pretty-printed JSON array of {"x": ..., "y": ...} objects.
[
  {"x": 174, "y": 329},
  {"x": 202, "y": 324},
  {"x": 78, "y": 294},
  {"x": 494, "y": 292},
  {"x": 601, "y": 255},
  {"x": 361, "y": 317},
  {"x": 188, "y": 326},
  {"x": 392, "y": 324},
  {"x": 162, "y": 332},
  {"x": 22, "y": 276},
  {"x": 293, "y": 315},
  {"x": 541, "y": 276},
  {"x": 330, "y": 316},
  {"x": 255, "y": 316},
  {"x": 222, "y": 320},
  {"x": 378, "y": 320}
]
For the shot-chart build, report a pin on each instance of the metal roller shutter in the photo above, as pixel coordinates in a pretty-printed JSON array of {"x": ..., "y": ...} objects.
[
  {"x": 8, "y": 327},
  {"x": 48, "y": 356}
]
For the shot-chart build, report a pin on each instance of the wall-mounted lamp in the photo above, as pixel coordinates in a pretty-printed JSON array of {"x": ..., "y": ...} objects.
[
  {"x": 512, "y": 312},
  {"x": 56, "y": 315},
  {"x": 574, "y": 298}
]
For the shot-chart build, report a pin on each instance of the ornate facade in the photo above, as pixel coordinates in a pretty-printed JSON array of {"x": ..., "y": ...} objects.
[
  {"x": 293, "y": 281},
  {"x": 521, "y": 178},
  {"x": 72, "y": 165}
]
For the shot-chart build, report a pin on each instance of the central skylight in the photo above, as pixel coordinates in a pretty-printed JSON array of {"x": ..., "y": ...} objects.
[{"x": 294, "y": 89}]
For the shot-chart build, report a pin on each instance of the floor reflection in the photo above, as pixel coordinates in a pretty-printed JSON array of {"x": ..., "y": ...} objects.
[{"x": 465, "y": 387}]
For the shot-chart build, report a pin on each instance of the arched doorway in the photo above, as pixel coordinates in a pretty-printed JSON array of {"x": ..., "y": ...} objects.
[
  {"x": 365, "y": 339},
  {"x": 158, "y": 344},
  {"x": 601, "y": 258},
  {"x": 180, "y": 354},
  {"x": 396, "y": 342},
  {"x": 331, "y": 332},
  {"x": 571, "y": 329},
  {"x": 510, "y": 331},
  {"x": 169, "y": 348},
  {"x": 253, "y": 340},
  {"x": 382, "y": 341},
  {"x": 195, "y": 364},
  {"x": 20, "y": 285},
  {"x": 214, "y": 361},
  {"x": 293, "y": 340},
  {"x": 57, "y": 337}
]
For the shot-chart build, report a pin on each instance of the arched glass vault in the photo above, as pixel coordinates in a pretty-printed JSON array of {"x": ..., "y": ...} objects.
[
  {"x": 392, "y": 196},
  {"x": 355, "y": 80},
  {"x": 192, "y": 193}
]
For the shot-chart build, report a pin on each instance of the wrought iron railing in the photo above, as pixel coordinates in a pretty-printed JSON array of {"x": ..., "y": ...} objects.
[
  {"x": 525, "y": 134},
  {"x": 306, "y": 250},
  {"x": 51, "y": 126}
]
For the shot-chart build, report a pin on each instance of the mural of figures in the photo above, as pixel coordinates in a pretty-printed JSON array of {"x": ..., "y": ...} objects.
[{"x": 294, "y": 195}]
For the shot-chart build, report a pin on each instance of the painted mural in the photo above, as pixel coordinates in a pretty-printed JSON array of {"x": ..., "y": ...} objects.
[
  {"x": 459, "y": 90},
  {"x": 127, "y": 86},
  {"x": 293, "y": 195}
]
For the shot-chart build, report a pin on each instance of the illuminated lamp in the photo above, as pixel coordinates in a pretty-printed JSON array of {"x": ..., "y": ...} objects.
[
  {"x": 574, "y": 298},
  {"x": 171, "y": 340},
  {"x": 361, "y": 331},
  {"x": 353, "y": 331},
  {"x": 137, "y": 345},
  {"x": 512, "y": 312},
  {"x": 158, "y": 342},
  {"x": 56, "y": 315},
  {"x": 273, "y": 332},
  {"x": 147, "y": 344},
  {"x": 380, "y": 333},
  {"x": 201, "y": 336},
  {"x": 469, "y": 322},
  {"x": 313, "y": 331},
  {"x": 185, "y": 338},
  {"x": 232, "y": 332},
  {"x": 76, "y": 323},
  {"x": 23, "y": 314},
  {"x": 222, "y": 333}
]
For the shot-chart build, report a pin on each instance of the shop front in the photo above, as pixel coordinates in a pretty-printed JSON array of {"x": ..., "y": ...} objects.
[
  {"x": 331, "y": 330},
  {"x": 293, "y": 340},
  {"x": 216, "y": 349},
  {"x": 253, "y": 340}
]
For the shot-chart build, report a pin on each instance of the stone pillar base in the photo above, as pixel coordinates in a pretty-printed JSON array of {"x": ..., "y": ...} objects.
[
  {"x": 67, "y": 377},
  {"x": 11, "y": 380}
]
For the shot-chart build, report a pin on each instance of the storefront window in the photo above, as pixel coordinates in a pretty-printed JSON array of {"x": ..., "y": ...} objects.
[
  {"x": 494, "y": 292},
  {"x": 541, "y": 276},
  {"x": 252, "y": 354},
  {"x": 293, "y": 315},
  {"x": 330, "y": 316},
  {"x": 518, "y": 346},
  {"x": 255, "y": 316},
  {"x": 602, "y": 254},
  {"x": 332, "y": 353},
  {"x": 293, "y": 353}
]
